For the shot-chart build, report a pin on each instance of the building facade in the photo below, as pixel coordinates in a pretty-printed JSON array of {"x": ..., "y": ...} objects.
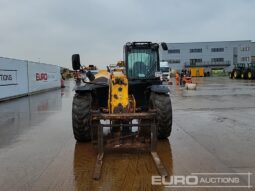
[{"x": 209, "y": 55}]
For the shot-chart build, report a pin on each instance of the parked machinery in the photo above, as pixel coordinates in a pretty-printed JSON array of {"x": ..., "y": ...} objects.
[
  {"x": 124, "y": 96},
  {"x": 242, "y": 72},
  {"x": 249, "y": 72},
  {"x": 237, "y": 71},
  {"x": 165, "y": 70}
]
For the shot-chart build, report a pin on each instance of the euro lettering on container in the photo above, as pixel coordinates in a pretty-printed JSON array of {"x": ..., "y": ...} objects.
[{"x": 41, "y": 76}]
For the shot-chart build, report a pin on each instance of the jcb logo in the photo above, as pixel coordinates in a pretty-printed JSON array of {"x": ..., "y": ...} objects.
[{"x": 41, "y": 76}]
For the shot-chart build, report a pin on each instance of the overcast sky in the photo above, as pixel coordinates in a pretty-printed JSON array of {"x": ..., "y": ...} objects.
[{"x": 52, "y": 30}]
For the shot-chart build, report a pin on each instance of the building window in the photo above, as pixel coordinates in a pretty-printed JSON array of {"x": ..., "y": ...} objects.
[
  {"x": 217, "y": 59},
  {"x": 174, "y": 61},
  {"x": 174, "y": 51},
  {"x": 246, "y": 48},
  {"x": 194, "y": 61},
  {"x": 253, "y": 59},
  {"x": 245, "y": 59},
  {"x": 195, "y": 50},
  {"x": 217, "y": 50}
]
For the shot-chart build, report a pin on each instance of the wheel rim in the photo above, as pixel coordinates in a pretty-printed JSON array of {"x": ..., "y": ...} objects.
[{"x": 249, "y": 75}]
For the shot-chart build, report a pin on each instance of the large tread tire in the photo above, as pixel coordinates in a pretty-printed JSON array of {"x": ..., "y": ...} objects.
[
  {"x": 163, "y": 106},
  {"x": 250, "y": 75},
  {"x": 81, "y": 117}
]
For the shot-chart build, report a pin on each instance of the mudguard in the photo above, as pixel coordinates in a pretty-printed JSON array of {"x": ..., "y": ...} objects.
[
  {"x": 83, "y": 88},
  {"x": 89, "y": 87},
  {"x": 159, "y": 89}
]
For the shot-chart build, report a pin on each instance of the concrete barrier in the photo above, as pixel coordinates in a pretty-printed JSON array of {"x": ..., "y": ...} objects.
[
  {"x": 13, "y": 78},
  {"x": 20, "y": 78},
  {"x": 43, "y": 77}
]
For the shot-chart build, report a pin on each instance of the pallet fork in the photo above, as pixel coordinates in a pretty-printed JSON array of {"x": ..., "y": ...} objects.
[{"x": 150, "y": 116}]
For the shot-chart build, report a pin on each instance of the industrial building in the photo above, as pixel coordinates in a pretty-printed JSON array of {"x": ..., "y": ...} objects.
[{"x": 222, "y": 55}]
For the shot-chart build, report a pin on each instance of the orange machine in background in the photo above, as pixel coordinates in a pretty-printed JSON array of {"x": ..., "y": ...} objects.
[
  {"x": 182, "y": 80},
  {"x": 186, "y": 80},
  {"x": 197, "y": 72}
]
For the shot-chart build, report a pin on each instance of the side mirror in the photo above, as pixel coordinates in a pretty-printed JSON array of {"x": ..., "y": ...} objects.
[
  {"x": 164, "y": 46},
  {"x": 76, "y": 62}
]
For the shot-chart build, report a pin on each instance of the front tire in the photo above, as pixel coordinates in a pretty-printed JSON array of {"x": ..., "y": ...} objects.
[
  {"x": 81, "y": 117},
  {"x": 163, "y": 106}
]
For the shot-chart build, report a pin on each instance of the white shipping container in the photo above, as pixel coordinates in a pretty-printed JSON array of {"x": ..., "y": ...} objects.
[
  {"x": 43, "y": 77},
  {"x": 13, "y": 78}
]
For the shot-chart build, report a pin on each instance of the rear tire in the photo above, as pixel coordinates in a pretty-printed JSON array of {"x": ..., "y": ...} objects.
[
  {"x": 163, "y": 106},
  {"x": 250, "y": 75},
  {"x": 81, "y": 117}
]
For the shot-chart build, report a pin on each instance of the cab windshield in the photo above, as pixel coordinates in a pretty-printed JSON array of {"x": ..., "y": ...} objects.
[{"x": 142, "y": 63}]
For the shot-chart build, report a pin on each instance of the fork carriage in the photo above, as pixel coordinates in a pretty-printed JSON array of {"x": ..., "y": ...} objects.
[{"x": 136, "y": 142}]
